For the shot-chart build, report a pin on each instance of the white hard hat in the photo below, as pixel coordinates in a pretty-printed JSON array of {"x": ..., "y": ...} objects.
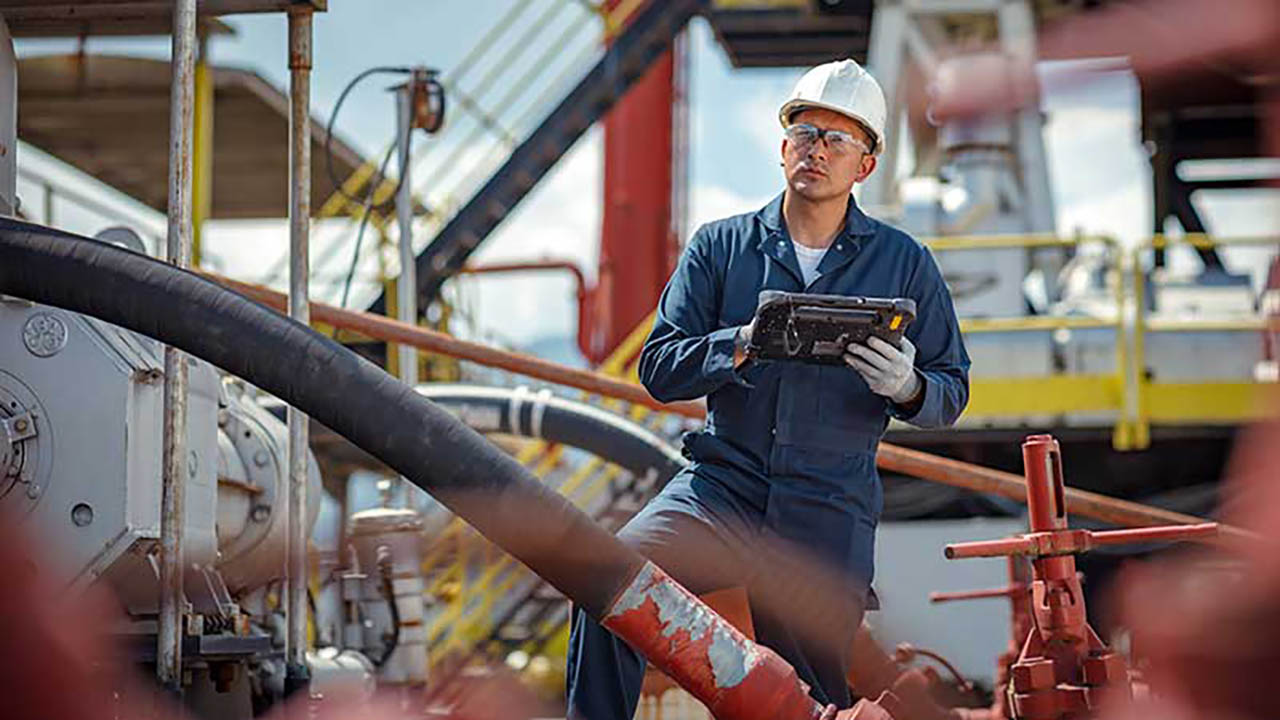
[{"x": 845, "y": 87}]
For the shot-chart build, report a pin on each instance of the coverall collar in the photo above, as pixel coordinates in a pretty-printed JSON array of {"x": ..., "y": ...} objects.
[
  {"x": 856, "y": 224},
  {"x": 858, "y": 229}
]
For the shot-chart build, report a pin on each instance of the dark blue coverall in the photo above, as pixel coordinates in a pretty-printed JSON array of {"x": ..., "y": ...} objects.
[{"x": 786, "y": 461}]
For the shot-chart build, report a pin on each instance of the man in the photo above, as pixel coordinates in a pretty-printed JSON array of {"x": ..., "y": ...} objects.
[{"x": 782, "y": 495}]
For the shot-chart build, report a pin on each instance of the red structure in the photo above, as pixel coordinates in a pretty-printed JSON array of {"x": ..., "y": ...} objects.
[
  {"x": 638, "y": 241},
  {"x": 1063, "y": 670}
]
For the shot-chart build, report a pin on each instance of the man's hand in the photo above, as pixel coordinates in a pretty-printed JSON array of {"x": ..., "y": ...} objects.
[
  {"x": 889, "y": 372},
  {"x": 829, "y": 713}
]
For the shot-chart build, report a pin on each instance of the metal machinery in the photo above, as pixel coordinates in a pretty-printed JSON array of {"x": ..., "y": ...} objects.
[
  {"x": 386, "y": 549},
  {"x": 1063, "y": 668},
  {"x": 87, "y": 428},
  {"x": 82, "y": 455}
]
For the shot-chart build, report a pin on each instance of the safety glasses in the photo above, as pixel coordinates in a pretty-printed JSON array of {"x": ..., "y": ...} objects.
[{"x": 839, "y": 142}]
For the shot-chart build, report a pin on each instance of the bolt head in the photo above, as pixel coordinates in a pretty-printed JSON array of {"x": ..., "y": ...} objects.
[
  {"x": 260, "y": 513},
  {"x": 1035, "y": 675},
  {"x": 261, "y": 458},
  {"x": 1105, "y": 669}
]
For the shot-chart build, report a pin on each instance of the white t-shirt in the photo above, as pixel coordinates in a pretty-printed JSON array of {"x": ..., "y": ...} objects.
[{"x": 808, "y": 258}]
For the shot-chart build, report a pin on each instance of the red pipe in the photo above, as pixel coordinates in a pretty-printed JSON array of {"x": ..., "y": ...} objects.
[
  {"x": 1046, "y": 509},
  {"x": 684, "y": 638},
  {"x": 637, "y": 242},
  {"x": 583, "y": 292}
]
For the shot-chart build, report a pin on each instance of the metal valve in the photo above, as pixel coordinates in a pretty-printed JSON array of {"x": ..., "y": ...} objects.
[{"x": 1063, "y": 668}]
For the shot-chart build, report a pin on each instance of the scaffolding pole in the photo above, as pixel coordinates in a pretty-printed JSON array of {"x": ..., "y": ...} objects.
[
  {"x": 407, "y": 283},
  {"x": 178, "y": 252},
  {"x": 297, "y": 675}
]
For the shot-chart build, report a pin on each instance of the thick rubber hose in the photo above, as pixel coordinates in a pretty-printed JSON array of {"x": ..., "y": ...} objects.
[
  {"x": 559, "y": 420},
  {"x": 355, "y": 398}
]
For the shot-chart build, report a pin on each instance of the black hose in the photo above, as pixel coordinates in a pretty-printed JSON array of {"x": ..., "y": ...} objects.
[
  {"x": 330, "y": 383},
  {"x": 558, "y": 420}
]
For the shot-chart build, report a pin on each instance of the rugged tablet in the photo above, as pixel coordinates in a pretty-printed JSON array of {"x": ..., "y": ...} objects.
[{"x": 818, "y": 328}]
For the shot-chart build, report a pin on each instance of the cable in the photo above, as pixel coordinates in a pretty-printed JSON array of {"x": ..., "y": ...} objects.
[
  {"x": 364, "y": 221},
  {"x": 328, "y": 139},
  {"x": 435, "y": 94},
  {"x": 905, "y": 652},
  {"x": 387, "y": 588}
]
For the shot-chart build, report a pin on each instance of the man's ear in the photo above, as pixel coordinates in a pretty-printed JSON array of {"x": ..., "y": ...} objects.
[
  {"x": 782, "y": 152},
  {"x": 868, "y": 164}
]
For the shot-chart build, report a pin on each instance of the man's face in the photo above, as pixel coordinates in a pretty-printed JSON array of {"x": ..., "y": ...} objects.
[{"x": 816, "y": 172}]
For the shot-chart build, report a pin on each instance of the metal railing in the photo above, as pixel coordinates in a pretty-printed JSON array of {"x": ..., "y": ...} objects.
[
  {"x": 1127, "y": 392},
  {"x": 472, "y": 601},
  {"x": 56, "y": 193}
]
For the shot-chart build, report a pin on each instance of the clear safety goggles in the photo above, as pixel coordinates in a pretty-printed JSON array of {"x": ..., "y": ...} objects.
[{"x": 839, "y": 142}]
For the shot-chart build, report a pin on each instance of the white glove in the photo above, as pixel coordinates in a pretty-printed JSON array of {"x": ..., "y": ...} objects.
[{"x": 889, "y": 372}]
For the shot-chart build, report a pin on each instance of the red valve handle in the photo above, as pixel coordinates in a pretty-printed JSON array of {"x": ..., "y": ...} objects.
[
  {"x": 1164, "y": 533},
  {"x": 1066, "y": 542},
  {"x": 1021, "y": 545},
  {"x": 942, "y": 597}
]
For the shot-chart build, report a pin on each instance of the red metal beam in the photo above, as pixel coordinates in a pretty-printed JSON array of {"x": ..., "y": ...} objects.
[{"x": 636, "y": 238}]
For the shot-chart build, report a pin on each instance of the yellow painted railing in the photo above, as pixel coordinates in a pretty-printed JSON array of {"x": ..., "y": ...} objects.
[
  {"x": 1127, "y": 392},
  {"x": 468, "y": 615}
]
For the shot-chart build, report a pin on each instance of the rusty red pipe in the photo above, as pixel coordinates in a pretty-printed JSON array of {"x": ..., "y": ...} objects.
[
  {"x": 1200, "y": 531},
  {"x": 545, "y": 265},
  {"x": 1004, "y": 592},
  {"x": 680, "y": 635},
  {"x": 548, "y": 264}
]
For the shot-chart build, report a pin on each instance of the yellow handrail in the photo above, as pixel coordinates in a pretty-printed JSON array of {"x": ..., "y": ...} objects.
[
  {"x": 1128, "y": 392},
  {"x": 944, "y": 243}
]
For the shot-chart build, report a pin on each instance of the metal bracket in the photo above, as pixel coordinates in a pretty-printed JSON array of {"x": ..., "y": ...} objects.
[
  {"x": 14, "y": 430},
  {"x": 19, "y": 427}
]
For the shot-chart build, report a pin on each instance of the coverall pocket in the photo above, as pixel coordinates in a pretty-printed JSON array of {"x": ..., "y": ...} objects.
[
  {"x": 825, "y": 462},
  {"x": 847, "y": 477}
]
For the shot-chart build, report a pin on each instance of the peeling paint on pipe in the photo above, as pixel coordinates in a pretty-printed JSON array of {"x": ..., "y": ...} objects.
[{"x": 710, "y": 658}]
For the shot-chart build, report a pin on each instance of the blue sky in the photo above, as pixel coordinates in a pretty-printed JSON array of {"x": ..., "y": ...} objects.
[{"x": 1098, "y": 166}]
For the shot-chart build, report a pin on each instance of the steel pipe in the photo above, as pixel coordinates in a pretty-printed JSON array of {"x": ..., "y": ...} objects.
[
  {"x": 178, "y": 252},
  {"x": 8, "y": 123},
  {"x": 893, "y": 458},
  {"x": 407, "y": 282},
  {"x": 299, "y": 311}
]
